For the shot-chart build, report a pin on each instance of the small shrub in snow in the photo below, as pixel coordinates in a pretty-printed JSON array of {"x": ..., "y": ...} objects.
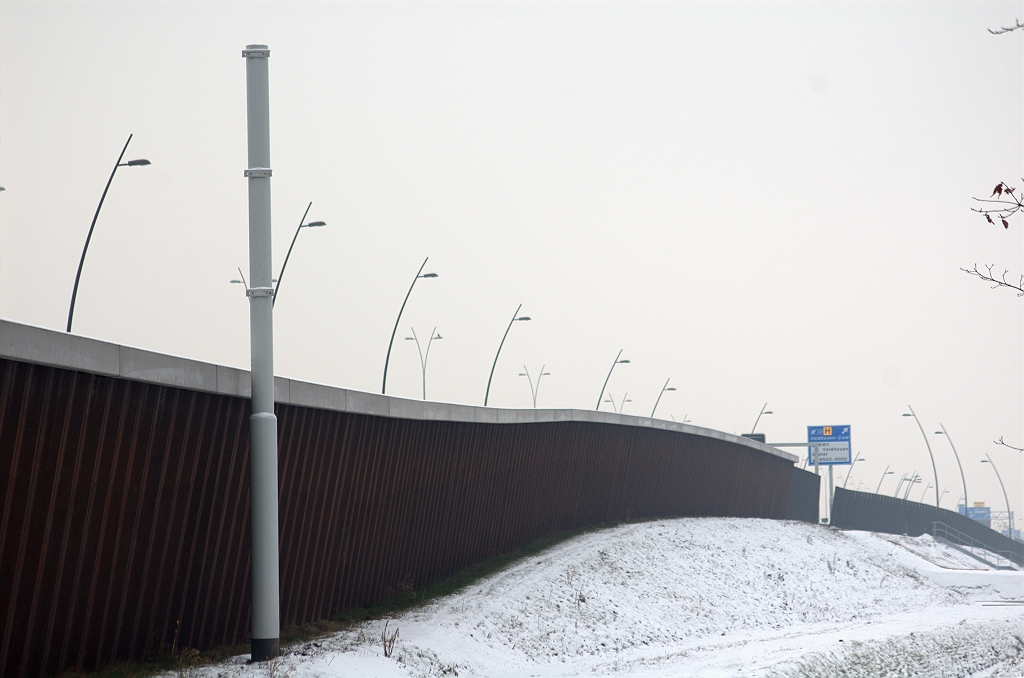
[
  {"x": 188, "y": 663},
  {"x": 275, "y": 668},
  {"x": 388, "y": 640}
]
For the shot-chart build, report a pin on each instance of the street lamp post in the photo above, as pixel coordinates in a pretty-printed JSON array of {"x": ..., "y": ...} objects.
[
  {"x": 131, "y": 163},
  {"x": 855, "y": 460},
  {"x": 962, "y": 479},
  {"x": 424, "y": 356},
  {"x": 1009, "y": 515},
  {"x": 899, "y": 485},
  {"x": 515, "y": 318},
  {"x": 387, "y": 359},
  {"x": 302, "y": 225},
  {"x": 927, "y": 487},
  {"x": 935, "y": 474},
  {"x": 534, "y": 391},
  {"x": 664, "y": 388},
  {"x": 614, "y": 363},
  {"x": 622, "y": 403},
  {"x": 885, "y": 473},
  {"x": 914, "y": 480},
  {"x": 759, "y": 417}
]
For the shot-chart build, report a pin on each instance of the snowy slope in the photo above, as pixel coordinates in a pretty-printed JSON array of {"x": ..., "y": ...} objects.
[{"x": 703, "y": 597}]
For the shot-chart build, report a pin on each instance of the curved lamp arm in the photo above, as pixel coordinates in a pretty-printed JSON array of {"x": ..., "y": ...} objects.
[
  {"x": 81, "y": 262},
  {"x": 962, "y": 479},
  {"x": 884, "y": 474},
  {"x": 280, "y": 276},
  {"x": 495, "y": 364},
  {"x": 759, "y": 417},
  {"x": 387, "y": 359},
  {"x": 663, "y": 389},
  {"x": 614, "y": 363},
  {"x": 935, "y": 474},
  {"x": 1009, "y": 516},
  {"x": 848, "y": 472}
]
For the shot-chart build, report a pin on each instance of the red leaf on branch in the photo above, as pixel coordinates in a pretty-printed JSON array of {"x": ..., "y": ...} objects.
[
  {"x": 1006, "y": 224},
  {"x": 998, "y": 190}
]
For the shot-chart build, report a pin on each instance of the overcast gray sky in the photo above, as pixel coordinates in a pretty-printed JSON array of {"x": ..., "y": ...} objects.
[{"x": 765, "y": 202}]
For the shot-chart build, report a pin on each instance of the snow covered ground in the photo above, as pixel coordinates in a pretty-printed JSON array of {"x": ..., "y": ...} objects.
[{"x": 701, "y": 597}]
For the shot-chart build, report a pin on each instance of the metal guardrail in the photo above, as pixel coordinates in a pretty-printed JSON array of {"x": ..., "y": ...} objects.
[{"x": 954, "y": 537}]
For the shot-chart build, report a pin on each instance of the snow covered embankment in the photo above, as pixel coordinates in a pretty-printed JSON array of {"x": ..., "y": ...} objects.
[{"x": 706, "y": 597}]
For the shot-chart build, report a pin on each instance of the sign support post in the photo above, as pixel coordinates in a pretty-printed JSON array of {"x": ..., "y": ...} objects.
[
  {"x": 831, "y": 494},
  {"x": 827, "y": 446}
]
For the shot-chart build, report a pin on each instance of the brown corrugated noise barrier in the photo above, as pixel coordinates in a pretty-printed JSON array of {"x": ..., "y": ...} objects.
[{"x": 124, "y": 526}]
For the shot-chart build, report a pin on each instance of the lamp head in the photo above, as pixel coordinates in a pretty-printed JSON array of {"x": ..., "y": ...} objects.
[
  {"x": 940, "y": 433},
  {"x": 622, "y": 361},
  {"x": 429, "y": 275},
  {"x": 141, "y": 162},
  {"x": 671, "y": 388},
  {"x": 525, "y": 317},
  {"x": 768, "y": 412},
  {"x": 315, "y": 224},
  {"x": 907, "y": 414}
]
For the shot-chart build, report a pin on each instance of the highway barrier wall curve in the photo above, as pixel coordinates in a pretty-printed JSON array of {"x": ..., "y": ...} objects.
[
  {"x": 804, "y": 496},
  {"x": 879, "y": 513},
  {"x": 124, "y": 527}
]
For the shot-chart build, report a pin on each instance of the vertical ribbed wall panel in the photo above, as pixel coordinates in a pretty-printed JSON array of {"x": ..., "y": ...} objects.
[{"x": 124, "y": 520}]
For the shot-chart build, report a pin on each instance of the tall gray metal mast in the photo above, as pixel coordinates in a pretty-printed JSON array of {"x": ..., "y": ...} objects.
[{"x": 266, "y": 619}]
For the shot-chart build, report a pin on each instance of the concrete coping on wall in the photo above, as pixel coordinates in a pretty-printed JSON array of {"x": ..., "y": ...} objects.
[{"x": 42, "y": 346}]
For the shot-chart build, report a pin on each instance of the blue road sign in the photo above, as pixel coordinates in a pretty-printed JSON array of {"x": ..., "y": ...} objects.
[
  {"x": 835, "y": 447},
  {"x": 976, "y": 512}
]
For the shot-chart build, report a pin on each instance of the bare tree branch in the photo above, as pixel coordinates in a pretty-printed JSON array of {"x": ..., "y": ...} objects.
[
  {"x": 1007, "y": 29},
  {"x": 997, "y": 282},
  {"x": 1004, "y": 444},
  {"x": 1003, "y": 204}
]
